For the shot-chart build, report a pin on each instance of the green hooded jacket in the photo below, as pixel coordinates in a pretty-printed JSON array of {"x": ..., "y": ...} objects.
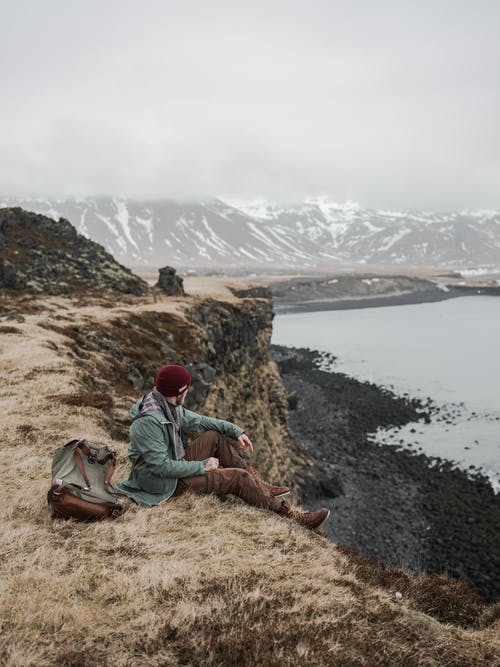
[{"x": 155, "y": 469}]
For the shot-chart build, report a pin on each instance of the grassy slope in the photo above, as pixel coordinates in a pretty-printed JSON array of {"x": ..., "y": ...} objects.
[{"x": 194, "y": 581}]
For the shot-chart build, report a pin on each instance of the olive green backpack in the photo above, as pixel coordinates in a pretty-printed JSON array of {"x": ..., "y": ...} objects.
[{"x": 81, "y": 482}]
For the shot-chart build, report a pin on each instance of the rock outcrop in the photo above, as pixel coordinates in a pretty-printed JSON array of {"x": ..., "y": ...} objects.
[
  {"x": 170, "y": 283},
  {"x": 44, "y": 256}
]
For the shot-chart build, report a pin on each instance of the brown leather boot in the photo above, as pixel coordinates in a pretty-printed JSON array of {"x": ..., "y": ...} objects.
[
  {"x": 309, "y": 520},
  {"x": 275, "y": 491}
]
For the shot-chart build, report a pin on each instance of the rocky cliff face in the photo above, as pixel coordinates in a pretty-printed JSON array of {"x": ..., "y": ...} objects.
[
  {"x": 245, "y": 381},
  {"x": 225, "y": 345},
  {"x": 41, "y": 255}
]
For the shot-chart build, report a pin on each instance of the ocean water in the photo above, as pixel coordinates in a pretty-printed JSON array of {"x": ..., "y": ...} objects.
[{"x": 448, "y": 351}]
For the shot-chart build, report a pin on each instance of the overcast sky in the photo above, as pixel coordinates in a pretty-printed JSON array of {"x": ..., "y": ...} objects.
[{"x": 389, "y": 103}]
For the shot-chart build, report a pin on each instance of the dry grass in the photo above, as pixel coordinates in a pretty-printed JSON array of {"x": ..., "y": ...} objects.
[
  {"x": 92, "y": 399},
  {"x": 447, "y": 600},
  {"x": 5, "y": 329},
  {"x": 195, "y": 581}
]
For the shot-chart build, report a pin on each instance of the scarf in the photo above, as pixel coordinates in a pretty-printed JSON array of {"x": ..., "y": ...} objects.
[{"x": 173, "y": 415}]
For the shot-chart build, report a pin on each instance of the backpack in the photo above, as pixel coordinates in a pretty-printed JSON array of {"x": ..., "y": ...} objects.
[{"x": 81, "y": 483}]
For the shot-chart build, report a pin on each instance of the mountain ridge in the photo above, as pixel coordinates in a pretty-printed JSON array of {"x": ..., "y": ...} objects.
[{"x": 317, "y": 232}]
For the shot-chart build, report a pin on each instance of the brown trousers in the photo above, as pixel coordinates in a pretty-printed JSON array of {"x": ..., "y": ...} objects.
[{"x": 231, "y": 477}]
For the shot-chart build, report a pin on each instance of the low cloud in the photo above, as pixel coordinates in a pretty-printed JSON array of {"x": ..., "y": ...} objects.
[{"x": 390, "y": 107}]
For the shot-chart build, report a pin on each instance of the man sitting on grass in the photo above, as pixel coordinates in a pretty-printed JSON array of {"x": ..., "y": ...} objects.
[{"x": 164, "y": 466}]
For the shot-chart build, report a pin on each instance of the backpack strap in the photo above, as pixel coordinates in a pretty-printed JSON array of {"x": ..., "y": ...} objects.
[
  {"x": 110, "y": 471},
  {"x": 81, "y": 467}
]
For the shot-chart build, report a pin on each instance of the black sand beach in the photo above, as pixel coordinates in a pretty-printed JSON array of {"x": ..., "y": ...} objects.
[{"x": 404, "y": 508}]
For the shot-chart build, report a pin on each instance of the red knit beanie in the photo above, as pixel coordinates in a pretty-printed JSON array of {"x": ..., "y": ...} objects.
[{"x": 172, "y": 380}]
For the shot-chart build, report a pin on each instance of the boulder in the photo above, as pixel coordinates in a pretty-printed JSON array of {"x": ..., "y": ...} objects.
[{"x": 170, "y": 283}]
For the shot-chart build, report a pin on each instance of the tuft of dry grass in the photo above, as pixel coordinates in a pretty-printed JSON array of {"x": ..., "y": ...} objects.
[
  {"x": 6, "y": 329},
  {"x": 91, "y": 399},
  {"x": 194, "y": 581}
]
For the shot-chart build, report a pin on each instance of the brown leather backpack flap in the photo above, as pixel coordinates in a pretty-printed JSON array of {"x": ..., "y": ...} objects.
[{"x": 67, "y": 504}]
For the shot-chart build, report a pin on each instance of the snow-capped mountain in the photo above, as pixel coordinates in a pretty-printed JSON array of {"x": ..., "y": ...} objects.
[{"x": 316, "y": 232}]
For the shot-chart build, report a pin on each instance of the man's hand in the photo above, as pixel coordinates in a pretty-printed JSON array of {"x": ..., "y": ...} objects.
[
  {"x": 211, "y": 464},
  {"x": 245, "y": 444}
]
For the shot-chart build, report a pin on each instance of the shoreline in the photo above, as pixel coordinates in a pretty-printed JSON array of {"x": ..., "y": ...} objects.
[
  {"x": 413, "y": 298},
  {"x": 407, "y": 509}
]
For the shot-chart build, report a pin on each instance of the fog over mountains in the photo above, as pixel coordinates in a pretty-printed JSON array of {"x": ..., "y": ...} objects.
[{"x": 315, "y": 233}]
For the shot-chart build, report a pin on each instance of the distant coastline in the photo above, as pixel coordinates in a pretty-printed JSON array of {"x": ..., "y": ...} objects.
[
  {"x": 286, "y": 299},
  {"x": 367, "y": 302}
]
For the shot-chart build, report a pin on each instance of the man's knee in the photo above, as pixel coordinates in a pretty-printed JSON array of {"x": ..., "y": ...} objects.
[
  {"x": 212, "y": 436},
  {"x": 230, "y": 480}
]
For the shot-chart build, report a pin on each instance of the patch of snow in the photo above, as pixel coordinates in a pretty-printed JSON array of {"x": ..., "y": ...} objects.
[
  {"x": 336, "y": 231},
  {"x": 176, "y": 238},
  {"x": 330, "y": 209},
  {"x": 482, "y": 214},
  {"x": 147, "y": 223},
  {"x": 426, "y": 220},
  {"x": 394, "y": 239},
  {"x": 208, "y": 241},
  {"x": 276, "y": 233},
  {"x": 122, "y": 215},
  {"x": 83, "y": 229},
  {"x": 371, "y": 226},
  {"x": 262, "y": 236},
  {"x": 53, "y": 213},
  {"x": 469, "y": 273},
  {"x": 109, "y": 223},
  {"x": 182, "y": 222},
  {"x": 261, "y": 209},
  {"x": 392, "y": 214},
  {"x": 202, "y": 251},
  {"x": 215, "y": 240},
  {"x": 245, "y": 252}
]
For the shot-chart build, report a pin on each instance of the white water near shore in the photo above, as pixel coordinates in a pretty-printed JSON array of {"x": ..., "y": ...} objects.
[{"x": 448, "y": 351}]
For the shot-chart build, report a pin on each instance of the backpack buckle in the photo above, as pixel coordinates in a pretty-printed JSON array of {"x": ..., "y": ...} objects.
[{"x": 92, "y": 456}]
